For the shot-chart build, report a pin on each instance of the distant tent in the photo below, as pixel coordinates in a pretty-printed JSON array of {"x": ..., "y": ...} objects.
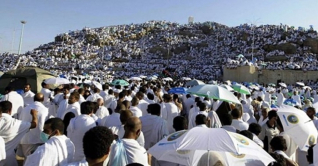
[{"x": 19, "y": 77}]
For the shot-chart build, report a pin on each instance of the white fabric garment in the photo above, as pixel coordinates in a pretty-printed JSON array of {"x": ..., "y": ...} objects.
[
  {"x": 111, "y": 120},
  {"x": 262, "y": 121},
  {"x": 28, "y": 97},
  {"x": 229, "y": 128},
  {"x": 187, "y": 105},
  {"x": 47, "y": 95},
  {"x": 193, "y": 111},
  {"x": 257, "y": 140},
  {"x": 33, "y": 136},
  {"x": 154, "y": 129},
  {"x": 216, "y": 105},
  {"x": 135, "y": 153},
  {"x": 2, "y": 151},
  {"x": 108, "y": 100},
  {"x": 75, "y": 108},
  {"x": 62, "y": 108},
  {"x": 214, "y": 120},
  {"x": 291, "y": 146},
  {"x": 239, "y": 124},
  {"x": 136, "y": 111},
  {"x": 297, "y": 99},
  {"x": 17, "y": 102},
  {"x": 81, "y": 99},
  {"x": 250, "y": 111},
  {"x": 169, "y": 111},
  {"x": 280, "y": 99},
  {"x": 143, "y": 105},
  {"x": 57, "y": 151},
  {"x": 12, "y": 130},
  {"x": 75, "y": 131},
  {"x": 93, "y": 97},
  {"x": 120, "y": 131},
  {"x": 102, "y": 112}
]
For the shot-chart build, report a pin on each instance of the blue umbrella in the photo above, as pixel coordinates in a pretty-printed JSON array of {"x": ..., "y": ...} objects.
[
  {"x": 179, "y": 90},
  {"x": 290, "y": 102}
]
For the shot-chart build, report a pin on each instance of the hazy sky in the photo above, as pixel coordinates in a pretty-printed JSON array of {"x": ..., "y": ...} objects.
[{"x": 47, "y": 18}]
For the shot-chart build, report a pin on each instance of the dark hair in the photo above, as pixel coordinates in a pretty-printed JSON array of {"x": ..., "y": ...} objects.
[
  {"x": 134, "y": 101},
  {"x": 280, "y": 160},
  {"x": 180, "y": 123},
  {"x": 310, "y": 154},
  {"x": 312, "y": 108},
  {"x": 87, "y": 107},
  {"x": 255, "y": 128},
  {"x": 8, "y": 89},
  {"x": 154, "y": 109},
  {"x": 55, "y": 124},
  {"x": 200, "y": 119},
  {"x": 247, "y": 134},
  {"x": 134, "y": 164},
  {"x": 97, "y": 142},
  {"x": 43, "y": 84},
  {"x": 121, "y": 95},
  {"x": 227, "y": 119},
  {"x": 150, "y": 96},
  {"x": 236, "y": 113},
  {"x": 279, "y": 123},
  {"x": 110, "y": 91},
  {"x": 278, "y": 143},
  {"x": 5, "y": 106},
  {"x": 67, "y": 118},
  {"x": 202, "y": 106},
  {"x": 272, "y": 114}
]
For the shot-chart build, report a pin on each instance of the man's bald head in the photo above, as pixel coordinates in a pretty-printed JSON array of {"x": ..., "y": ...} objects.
[
  {"x": 100, "y": 101},
  {"x": 125, "y": 115},
  {"x": 39, "y": 97},
  {"x": 132, "y": 128}
]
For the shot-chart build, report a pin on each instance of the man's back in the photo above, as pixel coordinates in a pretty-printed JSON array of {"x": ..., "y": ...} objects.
[
  {"x": 134, "y": 152},
  {"x": 32, "y": 137},
  {"x": 58, "y": 150},
  {"x": 171, "y": 112},
  {"x": 239, "y": 124},
  {"x": 154, "y": 129},
  {"x": 17, "y": 102},
  {"x": 76, "y": 130}
]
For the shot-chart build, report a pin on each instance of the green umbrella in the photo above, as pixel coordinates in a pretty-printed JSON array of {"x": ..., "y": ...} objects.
[
  {"x": 120, "y": 82},
  {"x": 241, "y": 89},
  {"x": 214, "y": 92}
]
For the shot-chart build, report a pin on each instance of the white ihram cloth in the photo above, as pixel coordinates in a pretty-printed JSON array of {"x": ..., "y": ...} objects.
[
  {"x": 57, "y": 151},
  {"x": 47, "y": 95},
  {"x": 33, "y": 136},
  {"x": 136, "y": 111},
  {"x": 94, "y": 97},
  {"x": 143, "y": 106},
  {"x": 2, "y": 151},
  {"x": 154, "y": 129},
  {"x": 17, "y": 102},
  {"x": 28, "y": 97},
  {"x": 291, "y": 146},
  {"x": 111, "y": 120},
  {"x": 75, "y": 131},
  {"x": 102, "y": 112},
  {"x": 75, "y": 108},
  {"x": 62, "y": 108},
  {"x": 169, "y": 111},
  {"x": 135, "y": 153},
  {"x": 12, "y": 130}
]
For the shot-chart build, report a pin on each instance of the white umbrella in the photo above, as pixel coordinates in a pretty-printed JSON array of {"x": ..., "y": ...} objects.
[
  {"x": 166, "y": 150},
  {"x": 167, "y": 79},
  {"x": 300, "y": 83},
  {"x": 186, "y": 78},
  {"x": 229, "y": 88},
  {"x": 254, "y": 87},
  {"x": 298, "y": 126},
  {"x": 305, "y": 87},
  {"x": 241, "y": 89},
  {"x": 194, "y": 83},
  {"x": 135, "y": 78},
  {"x": 142, "y": 76},
  {"x": 57, "y": 80},
  {"x": 283, "y": 84},
  {"x": 187, "y": 147},
  {"x": 214, "y": 92},
  {"x": 212, "y": 82},
  {"x": 97, "y": 85},
  {"x": 315, "y": 154}
]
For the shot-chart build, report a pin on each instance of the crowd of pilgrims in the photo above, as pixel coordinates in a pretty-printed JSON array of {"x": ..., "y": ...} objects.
[
  {"x": 73, "y": 125},
  {"x": 190, "y": 50}
]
